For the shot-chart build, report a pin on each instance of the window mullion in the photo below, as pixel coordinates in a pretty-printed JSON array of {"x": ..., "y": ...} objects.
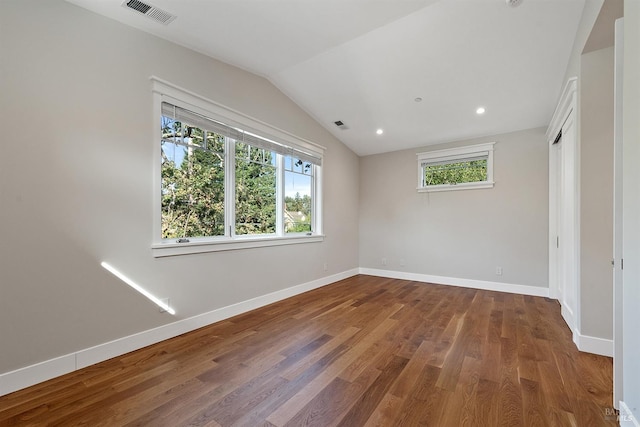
[
  {"x": 192, "y": 189},
  {"x": 229, "y": 187},
  {"x": 490, "y": 167},
  {"x": 314, "y": 214},
  {"x": 316, "y": 199},
  {"x": 279, "y": 195}
]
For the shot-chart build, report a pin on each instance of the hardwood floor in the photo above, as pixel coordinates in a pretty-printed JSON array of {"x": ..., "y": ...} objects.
[{"x": 363, "y": 351}]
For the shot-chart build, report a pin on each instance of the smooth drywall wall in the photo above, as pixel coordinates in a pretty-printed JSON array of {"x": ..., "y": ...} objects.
[
  {"x": 631, "y": 210},
  {"x": 76, "y": 185},
  {"x": 460, "y": 234},
  {"x": 588, "y": 19},
  {"x": 596, "y": 194}
]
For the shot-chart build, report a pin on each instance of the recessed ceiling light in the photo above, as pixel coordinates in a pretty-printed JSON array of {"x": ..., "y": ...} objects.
[
  {"x": 418, "y": 99},
  {"x": 379, "y": 131},
  {"x": 480, "y": 111}
]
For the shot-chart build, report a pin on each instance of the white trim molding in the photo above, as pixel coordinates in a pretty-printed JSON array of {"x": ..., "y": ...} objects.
[
  {"x": 187, "y": 105},
  {"x": 39, "y": 372},
  {"x": 595, "y": 345},
  {"x": 584, "y": 343},
  {"x": 34, "y": 374},
  {"x": 537, "y": 291},
  {"x": 205, "y": 106},
  {"x": 453, "y": 155},
  {"x": 197, "y": 246},
  {"x": 566, "y": 103},
  {"x": 564, "y": 206}
]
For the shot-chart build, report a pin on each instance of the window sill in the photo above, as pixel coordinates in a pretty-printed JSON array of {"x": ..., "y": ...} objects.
[
  {"x": 453, "y": 187},
  {"x": 197, "y": 247}
]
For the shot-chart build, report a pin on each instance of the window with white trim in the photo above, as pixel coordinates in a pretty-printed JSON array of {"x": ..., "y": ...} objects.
[
  {"x": 456, "y": 168},
  {"x": 230, "y": 182}
]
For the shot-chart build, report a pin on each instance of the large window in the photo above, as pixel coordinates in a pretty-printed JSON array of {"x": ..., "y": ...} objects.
[
  {"x": 298, "y": 177},
  {"x": 456, "y": 168},
  {"x": 193, "y": 180},
  {"x": 225, "y": 184}
]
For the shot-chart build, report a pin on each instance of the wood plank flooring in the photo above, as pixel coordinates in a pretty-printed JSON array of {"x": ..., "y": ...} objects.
[{"x": 366, "y": 351}]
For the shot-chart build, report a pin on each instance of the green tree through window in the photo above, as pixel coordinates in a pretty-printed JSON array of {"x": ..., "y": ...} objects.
[
  {"x": 192, "y": 181},
  {"x": 255, "y": 190},
  {"x": 455, "y": 173},
  {"x": 221, "y": 182},
  {"x": 193, "y": 185},
  {"x": 298, "y": 207},
  {"x": 456, "y": 168}
]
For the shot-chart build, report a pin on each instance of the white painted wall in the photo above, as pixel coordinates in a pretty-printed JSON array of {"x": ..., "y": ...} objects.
[
  {"x": 75, "y": 189},
  {"x": 76, "y": 185},
  {"x": 631, "y": 213},
  {"x": 596, "y": 196},
  {"x": 594, "y": 72},
  {"x": 462, "y": 234},
  {"x": 589, "y": 16}
]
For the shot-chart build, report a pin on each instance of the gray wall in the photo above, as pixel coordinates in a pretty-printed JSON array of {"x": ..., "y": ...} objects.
[
  {"x": 76, "y": 182},
  {"x": 460, "y": 234},
  {"x": 631, "y": 207},
  {"x": 76, "y": 185},
  {"x": 587, "y": 20},
  {"x": 596, "y": 195}
]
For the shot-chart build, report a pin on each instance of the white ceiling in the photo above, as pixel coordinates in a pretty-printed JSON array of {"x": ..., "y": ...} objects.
[{"x": 365, "y": 61}]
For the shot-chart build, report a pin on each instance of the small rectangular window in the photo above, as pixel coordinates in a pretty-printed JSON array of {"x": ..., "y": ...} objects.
[{"x": 456, "y": 168}]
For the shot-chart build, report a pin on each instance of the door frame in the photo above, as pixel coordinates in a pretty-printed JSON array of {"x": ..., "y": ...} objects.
[
  {"x": 564, "y": 221},
  {"x": 617, "y": 216}
]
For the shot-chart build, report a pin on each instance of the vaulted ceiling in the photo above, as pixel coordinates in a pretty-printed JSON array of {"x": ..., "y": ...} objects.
[{"x": 417, "y": 69}]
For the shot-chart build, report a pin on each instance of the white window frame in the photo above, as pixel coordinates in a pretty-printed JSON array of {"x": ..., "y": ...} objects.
[
  {"x": 454, "y": 155},
  {"x": 167, "y": 92}
]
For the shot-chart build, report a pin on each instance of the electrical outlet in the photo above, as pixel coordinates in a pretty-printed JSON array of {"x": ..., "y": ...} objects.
[
  {"x": 325, "y": 266},
  {"x": 384, "y": 261},
  {"x": 402, "y": 263},
  {"x": 498, "y": 271}
]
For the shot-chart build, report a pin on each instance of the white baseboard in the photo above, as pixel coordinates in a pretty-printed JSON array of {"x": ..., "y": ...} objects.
[
  {"x": 603, "y": 347},
  {"x": 34, "y": 374},
  {"x": 570, "y": 321},
  {"x": 595, "y": 345},
  {"x": 626, "y": 417},
  {"x": 537, "y": 291}
]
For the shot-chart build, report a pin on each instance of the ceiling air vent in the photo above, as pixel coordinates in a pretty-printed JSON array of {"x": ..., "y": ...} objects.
[
  {"x": 150, "y": 11},
  {"x": 340, "y": 124}
]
